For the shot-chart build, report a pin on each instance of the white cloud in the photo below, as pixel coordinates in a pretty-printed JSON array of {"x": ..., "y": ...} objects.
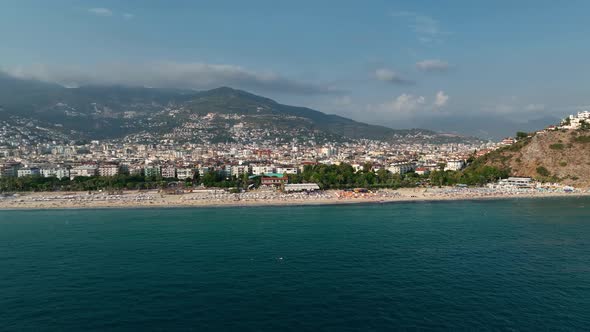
[
  {"x": 440, "y": 99},
  {"x": 426, "y": 28},
  {"x": 388, "y": 75},
  {"x": 192, "y": 75},
  {"x": 128, "y": 16},
  {"x": 405, "y": 103},
  {"x": 408, "y": 104},
  {"x": 432, "y": 65},
  {"x": 101, "y": 11}
]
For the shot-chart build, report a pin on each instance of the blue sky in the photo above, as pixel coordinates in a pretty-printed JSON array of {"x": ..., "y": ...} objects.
[{"x": 475, "y": 67}]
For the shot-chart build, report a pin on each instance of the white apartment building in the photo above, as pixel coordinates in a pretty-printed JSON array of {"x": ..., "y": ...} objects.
[
  {"x": 516, "y": 182},
  {"x": 28, "y": 171},
  {"x": 185, "y": 173},
  {"x": 84, "y": 171},
  {"x": 58, "y": 172},
  {"x": 401, "y": 168},
  {"x": 262, "y": 169},
  {"x": 454, "y": 165},
  {"x": 287, "y": 170},
  {"x": 239, "y": 170},
  {"x": 575, "y": 121},
  {"x": 168, "y": 171}
]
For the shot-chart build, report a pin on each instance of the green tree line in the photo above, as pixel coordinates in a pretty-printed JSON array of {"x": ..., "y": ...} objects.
[
  {"x": 117, "y": 182},
  {"x": 341, "y": 176}
]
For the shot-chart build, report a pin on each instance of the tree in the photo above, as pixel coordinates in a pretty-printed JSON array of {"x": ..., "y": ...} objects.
[
  {"x": 542, "y": 171},
  {"x": 521, "y": 135}
]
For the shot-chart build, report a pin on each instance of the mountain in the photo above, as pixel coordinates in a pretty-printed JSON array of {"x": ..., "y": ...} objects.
[
  {"x": 105, "y": 112},
  {"x": 555, "y": 156}
]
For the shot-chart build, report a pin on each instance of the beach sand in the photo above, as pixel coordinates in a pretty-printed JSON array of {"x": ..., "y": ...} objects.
[{"x": 134, "y": 199}]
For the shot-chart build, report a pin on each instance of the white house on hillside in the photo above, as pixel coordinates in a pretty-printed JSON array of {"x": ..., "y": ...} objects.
[{"x": 575, "y": 121}]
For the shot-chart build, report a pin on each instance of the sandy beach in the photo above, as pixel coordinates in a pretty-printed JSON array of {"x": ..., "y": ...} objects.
[{"x": 212, "y": 198}]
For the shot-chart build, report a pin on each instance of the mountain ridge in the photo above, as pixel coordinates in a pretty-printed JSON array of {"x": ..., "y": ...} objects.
[{"x": 106, "y": 111}]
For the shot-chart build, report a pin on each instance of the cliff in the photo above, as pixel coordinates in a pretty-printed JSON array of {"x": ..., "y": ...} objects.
[{"x": 557, "y": 156}]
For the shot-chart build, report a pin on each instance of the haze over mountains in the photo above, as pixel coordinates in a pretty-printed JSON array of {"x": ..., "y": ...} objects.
[{"x": 99, "y": 112}]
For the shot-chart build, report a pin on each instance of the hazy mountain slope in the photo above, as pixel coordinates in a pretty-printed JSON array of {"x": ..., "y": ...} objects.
[{"x": 116, "y": 111}]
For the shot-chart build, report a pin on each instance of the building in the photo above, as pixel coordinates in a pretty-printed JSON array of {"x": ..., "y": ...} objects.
[
  {"x": 185, "y": 173},
  {"x": 328, "y": 151},
  {"x": 135, "y": 170},
  {"x": 168, "y": 171},
  {"x": 262, "y": 169},
  {"x": 83, "y": 171},
  {"x": 28, "y": 171},
  {"x": 508, "y": 141},
  {"x": 239, "y": 170},
  {"x": 357, "y": 167},
  {"x": 422, "y": 171},
  {"x": 295, "y": 187},
  {"x": 575, "y": 121},
  {"x": 516, "y": 182},
  {"x": 151, "y": 171},
  {"x": 287, "y": 170},
  {"x": 454, "y": 165},
  {"x": 108, "y": 170},
  {"x": 55, "y": 171},
  {"x": 401, "y": 168},
  {"x": 225, "y": 171},
  {"x": 204, "y": 170},
  {"x": 274, "y": 180},
  {"x": 9, "y": 169}
]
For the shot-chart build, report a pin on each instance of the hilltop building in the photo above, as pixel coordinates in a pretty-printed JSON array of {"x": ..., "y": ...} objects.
[{"x": 575, "y": 121}]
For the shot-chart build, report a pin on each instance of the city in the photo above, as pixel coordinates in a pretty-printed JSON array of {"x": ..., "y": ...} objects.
[{"x": 230, "y": 165}]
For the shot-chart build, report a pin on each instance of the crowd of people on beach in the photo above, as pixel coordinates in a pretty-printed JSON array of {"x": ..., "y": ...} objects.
[
  {"x": 378, "y": 194},
  {"x": 479, "y": 192},
  {"x": 84, "y": 198},
  {"x": 268, "y": 196},
  {"x": 257, "y": 196},
  {"x": 96, "y": 197}
]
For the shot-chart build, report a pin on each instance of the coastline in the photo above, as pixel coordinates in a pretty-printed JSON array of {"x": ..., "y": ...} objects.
[{"x": 153, "y": 199}]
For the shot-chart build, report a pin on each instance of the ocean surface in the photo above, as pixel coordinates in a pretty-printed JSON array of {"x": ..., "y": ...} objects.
[{"x": 521, "y": 264}]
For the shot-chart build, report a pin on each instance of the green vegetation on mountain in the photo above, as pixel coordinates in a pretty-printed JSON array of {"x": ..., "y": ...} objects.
[
  {"x": 97, "y": 112},
  {"x": 555, "y": 156}
]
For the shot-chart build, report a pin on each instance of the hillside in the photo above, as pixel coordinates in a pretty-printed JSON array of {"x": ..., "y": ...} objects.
[
  {"x": 557, "y": 156},
  {"x": 107, "y": 112}
]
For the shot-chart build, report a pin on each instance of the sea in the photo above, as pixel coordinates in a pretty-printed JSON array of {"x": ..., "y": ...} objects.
[{"x": 511, "y": 264}]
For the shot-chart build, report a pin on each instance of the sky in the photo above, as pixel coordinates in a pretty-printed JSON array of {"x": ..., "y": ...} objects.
[{"x": 484, "y": 68}]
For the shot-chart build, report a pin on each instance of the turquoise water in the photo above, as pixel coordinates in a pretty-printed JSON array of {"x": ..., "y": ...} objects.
[{"x": 481, "y": 265}]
